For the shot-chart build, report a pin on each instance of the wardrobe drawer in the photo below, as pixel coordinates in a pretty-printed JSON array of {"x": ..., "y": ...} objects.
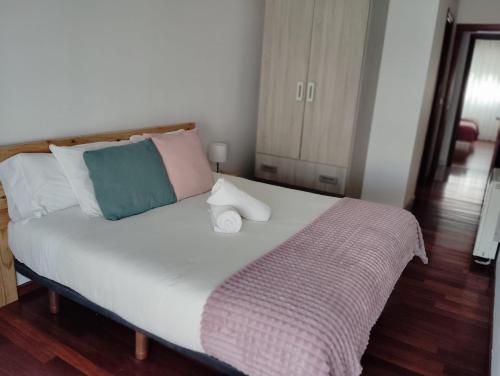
[{"x": 325, "y": 178}]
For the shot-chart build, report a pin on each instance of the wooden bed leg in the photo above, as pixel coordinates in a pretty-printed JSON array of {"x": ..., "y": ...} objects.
[
  {"x": 141, "y": 346},
  {"x": 53, "y": 302}
]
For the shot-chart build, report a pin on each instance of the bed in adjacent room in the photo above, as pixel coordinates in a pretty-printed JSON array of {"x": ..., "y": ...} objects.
[
  {"x": 468, "y": 131},
  {"x": 298, "y": 294}
]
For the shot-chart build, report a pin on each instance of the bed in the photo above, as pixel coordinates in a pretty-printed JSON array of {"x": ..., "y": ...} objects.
[
  {"x": 169, "y": 277},
  {"x": 468, "y": 131}
]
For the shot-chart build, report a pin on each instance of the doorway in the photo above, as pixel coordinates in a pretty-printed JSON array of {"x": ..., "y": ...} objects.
[
  {"x": 474, "y": 140},
  {"x": 462, "y": 141},
  {"x": 438, "y": 114}
]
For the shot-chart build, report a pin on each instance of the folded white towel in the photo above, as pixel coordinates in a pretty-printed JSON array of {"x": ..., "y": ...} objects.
[
  {"x": 226, "y": 193},
  {"x": 225, "y": 219}
]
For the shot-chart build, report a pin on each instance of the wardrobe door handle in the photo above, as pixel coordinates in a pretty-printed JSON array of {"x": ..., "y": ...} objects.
[
  {"x": 311, "y": 91},
  {"x": 300, "y": 91}
]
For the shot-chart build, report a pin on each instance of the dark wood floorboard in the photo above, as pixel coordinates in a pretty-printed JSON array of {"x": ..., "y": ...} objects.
[{"x": 437, "y": 321}]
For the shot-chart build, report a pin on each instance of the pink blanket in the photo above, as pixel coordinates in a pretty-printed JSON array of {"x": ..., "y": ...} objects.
[{"x": 307, "y": 307}]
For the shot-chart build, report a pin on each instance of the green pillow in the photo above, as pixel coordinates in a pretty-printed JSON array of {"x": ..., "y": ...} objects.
[{"x": 129, "y": 179}]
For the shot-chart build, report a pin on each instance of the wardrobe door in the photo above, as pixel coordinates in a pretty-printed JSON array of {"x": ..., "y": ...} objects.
[
  {"x": 285, "y": 61},
  {"x": 337, "y": 51}
]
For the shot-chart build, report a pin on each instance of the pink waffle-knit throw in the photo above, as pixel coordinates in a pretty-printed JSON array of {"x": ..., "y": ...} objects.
[{"x": 307, "y": 307}]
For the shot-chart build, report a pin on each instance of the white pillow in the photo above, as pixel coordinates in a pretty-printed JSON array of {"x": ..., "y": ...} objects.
[
  {"x": 71, "y": 160},
  {"x": 35, "y": 185},
  {"x": 139, "y": 138}
]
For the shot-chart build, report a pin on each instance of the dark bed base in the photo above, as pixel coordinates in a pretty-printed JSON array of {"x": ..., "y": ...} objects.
[{"x": 213, "y": 363}]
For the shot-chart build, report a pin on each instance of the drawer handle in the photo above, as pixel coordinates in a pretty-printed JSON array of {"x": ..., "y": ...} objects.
[
  {"x": 328, "y": 180},
  {"x": 269, "y": 168}
]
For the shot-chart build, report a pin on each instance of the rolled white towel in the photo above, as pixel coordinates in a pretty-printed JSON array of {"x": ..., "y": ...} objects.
[
  {"x": 226, "y": 193},
  {"x": 225, "y": 219}
]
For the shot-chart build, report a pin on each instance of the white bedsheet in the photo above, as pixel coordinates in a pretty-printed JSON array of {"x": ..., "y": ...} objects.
[{"x": 157, "y": 269}]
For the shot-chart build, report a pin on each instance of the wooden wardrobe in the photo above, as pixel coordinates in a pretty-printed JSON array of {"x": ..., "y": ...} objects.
[{"x": 312, "y": 62}]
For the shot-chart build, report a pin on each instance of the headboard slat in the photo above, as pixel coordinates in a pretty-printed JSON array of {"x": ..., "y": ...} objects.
[
  {"x": 8, "y": 151},
  {"x": 3, "y": 199}
]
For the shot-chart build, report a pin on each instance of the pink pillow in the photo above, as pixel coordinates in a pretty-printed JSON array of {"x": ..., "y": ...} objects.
[{"x": 186, "y": 163}]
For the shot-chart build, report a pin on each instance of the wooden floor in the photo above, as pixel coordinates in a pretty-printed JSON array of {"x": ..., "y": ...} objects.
[{"x": 437, "y": 321}]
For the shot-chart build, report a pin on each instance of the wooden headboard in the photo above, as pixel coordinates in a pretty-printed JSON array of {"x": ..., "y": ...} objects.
[{"x": 8, "y": 287}]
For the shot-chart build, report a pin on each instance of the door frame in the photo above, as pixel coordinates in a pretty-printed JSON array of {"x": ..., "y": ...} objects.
[{"x": 437, "y": 120}]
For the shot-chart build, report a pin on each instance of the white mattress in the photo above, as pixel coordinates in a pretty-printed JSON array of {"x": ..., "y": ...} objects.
[{"x": 157, "y": 269}]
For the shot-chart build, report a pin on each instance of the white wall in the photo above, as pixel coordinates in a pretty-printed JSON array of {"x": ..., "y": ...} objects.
[
  {"x": 479, "y": 12},
  {"x": 370, "y": 76},
  {"x": 428, "y": 98},
  {"x": 81, "y": 67},
  {"x": 412, "y": 47}
]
